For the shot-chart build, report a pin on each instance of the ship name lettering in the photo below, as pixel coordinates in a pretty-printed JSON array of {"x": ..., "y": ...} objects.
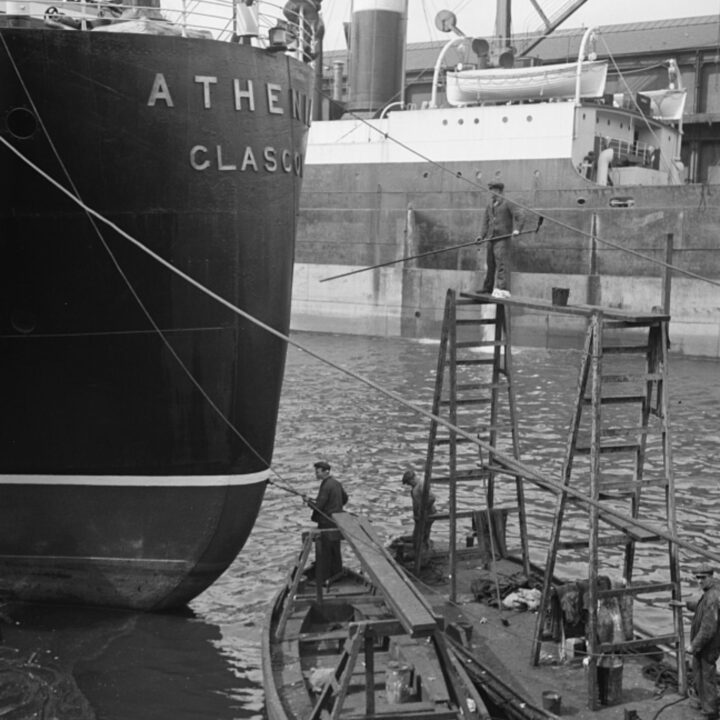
[
  {"x": 269, "y": 155},
  {"x": 244, "y": 94},
  {"x": 206, "y": 81},
  {"x": 272, "y": 160},
  {"x": 273, "y": 98},
  {"x": 301, "y": 106},
  {"x": 160, "y": 91}
]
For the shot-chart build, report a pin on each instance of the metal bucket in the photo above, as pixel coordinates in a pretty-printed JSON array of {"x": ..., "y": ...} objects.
[{"x": 551, "y": 701}]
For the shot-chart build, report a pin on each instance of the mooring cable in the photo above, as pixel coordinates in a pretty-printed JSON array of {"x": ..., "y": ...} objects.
[
  {"x": 528, "y": 209},
  {"x": 512, "y": 463}
]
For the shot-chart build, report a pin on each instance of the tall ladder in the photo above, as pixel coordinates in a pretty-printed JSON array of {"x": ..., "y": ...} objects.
[
  {"x": 464, "y": 388},
  {"x": 616, "y": 478}
]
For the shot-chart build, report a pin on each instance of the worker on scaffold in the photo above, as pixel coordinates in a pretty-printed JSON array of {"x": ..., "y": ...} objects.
[{"x": 503, "y": 220}]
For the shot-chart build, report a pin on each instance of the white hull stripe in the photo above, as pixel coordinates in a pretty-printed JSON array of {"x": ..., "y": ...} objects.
[
  {"x": 54, "y": 560},
  {"x": 138, "y": 480}
]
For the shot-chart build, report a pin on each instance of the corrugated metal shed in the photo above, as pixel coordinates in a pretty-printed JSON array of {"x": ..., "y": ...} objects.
[{"x": 629, "y": 40}]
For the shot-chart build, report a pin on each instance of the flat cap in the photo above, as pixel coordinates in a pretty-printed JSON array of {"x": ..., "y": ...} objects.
[
  {"x": 408, "y": 475},
  {"x": 496, "y": 185},
  {"x": 322, "y": 464}
]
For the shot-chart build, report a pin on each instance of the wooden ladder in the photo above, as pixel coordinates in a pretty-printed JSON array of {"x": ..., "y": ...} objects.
[
  {"x": 469, "y": 391},
  {"x": 330, "y": 701},
  {"x": 628, "y": 418}
]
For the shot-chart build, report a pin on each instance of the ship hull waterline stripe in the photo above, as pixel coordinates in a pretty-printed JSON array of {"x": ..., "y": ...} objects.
[
  {"x": 138, "y": 480},
  {"x": 94, "y": 559}
]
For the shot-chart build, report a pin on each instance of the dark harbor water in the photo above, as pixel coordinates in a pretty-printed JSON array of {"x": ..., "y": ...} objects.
[{"x": 206, "y": 664}]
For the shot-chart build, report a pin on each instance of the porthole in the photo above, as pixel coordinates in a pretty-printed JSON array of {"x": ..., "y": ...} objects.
[
  {"x": 21, "y": 123},
  {"x": 23, "y": 321},
  {"x": 529, "y": 118},
  {"x": 581, "y": 201},
  {"x": 444, "y": 122},
  {"x": 505, "y": 118},
  {"x": 461, "y": 121}
]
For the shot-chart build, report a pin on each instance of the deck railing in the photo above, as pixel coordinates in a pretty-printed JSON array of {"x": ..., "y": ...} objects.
[{"x": 294, "y": 24}]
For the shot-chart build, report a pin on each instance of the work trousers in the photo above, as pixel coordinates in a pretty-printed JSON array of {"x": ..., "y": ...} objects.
[
  {"x": 328, "y": 555},
  {"x": 497, "y": 258},
  {"x": 426, "y": 533},
  {"x": 704, "y": 676}
]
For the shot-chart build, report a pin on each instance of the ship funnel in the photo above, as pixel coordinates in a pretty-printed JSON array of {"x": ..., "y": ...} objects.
[{"x": 377, "y": 53}]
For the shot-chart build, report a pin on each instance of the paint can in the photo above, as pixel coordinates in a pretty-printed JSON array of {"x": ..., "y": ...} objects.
[
  {"x": 551, "y": 701},
  {"x": 397, "y": 682}
]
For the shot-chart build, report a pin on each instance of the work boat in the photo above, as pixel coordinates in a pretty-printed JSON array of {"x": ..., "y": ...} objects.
[
  {"x": 151, "y": 169},
  {"x": 401, "y": 166}
]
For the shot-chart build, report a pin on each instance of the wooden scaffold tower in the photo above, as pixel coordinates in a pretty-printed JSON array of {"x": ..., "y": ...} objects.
[
  {"x": 619, "y": 422},
  {"x": 617, "y": 485}
]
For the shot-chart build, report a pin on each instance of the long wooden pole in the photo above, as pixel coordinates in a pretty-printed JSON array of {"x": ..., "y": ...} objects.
[{"x": 477, "y": 242}]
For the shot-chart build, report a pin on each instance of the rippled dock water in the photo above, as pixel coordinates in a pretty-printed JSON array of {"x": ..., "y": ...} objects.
[{"x": 208, "y": 666}]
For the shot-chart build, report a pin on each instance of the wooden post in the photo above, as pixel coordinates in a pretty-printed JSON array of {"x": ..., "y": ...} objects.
[
  {"x": 369, "y": 672},
  {"x": 439, "y": 377},
  {"x": 519, "y": 482},
  {"x": 562, "y": 497},
  {"x": 667, "y": 275},
  {"x": 596, "y": 430},
  {"x": 664, "y": 414},
  {"x": 452, "y": 315},
  {"x": 593, "y": 286}
]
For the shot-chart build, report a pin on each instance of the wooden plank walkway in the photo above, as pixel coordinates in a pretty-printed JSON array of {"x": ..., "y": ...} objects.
[
  {"x": 410, "y": 607},
  {"x": 623, "y": 315}
]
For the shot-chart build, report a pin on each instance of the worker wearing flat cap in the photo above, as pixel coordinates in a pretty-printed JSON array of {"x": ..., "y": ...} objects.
[
  {"x": 704, "y": 647},
  {"x": 330, "y": 499},
  {"x": 503, "y": 220}
]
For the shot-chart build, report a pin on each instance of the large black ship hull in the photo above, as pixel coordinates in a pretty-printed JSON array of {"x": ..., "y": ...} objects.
[{"x": 138, "y": 413}]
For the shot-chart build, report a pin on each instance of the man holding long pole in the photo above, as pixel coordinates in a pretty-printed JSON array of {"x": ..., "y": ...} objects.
[{"x": 503, "y": 220}]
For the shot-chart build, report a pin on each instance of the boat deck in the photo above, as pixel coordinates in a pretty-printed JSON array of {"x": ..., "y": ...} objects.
[
  {"x": 364, "y": 645},
  {"x": 502, "y": 641}
]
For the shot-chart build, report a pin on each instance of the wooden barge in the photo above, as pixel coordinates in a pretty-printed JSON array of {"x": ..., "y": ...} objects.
[{"x": 365, "y": 646}]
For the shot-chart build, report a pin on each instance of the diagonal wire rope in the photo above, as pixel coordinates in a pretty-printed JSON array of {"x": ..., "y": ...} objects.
[
  {"x": 513, "y": 464},
  {"x": 526, "y": 208},
  {"x": 92, "y": 216}
]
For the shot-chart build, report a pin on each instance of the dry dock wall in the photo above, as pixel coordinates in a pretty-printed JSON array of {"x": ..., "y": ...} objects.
[{"x": 600, "y": 245}]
